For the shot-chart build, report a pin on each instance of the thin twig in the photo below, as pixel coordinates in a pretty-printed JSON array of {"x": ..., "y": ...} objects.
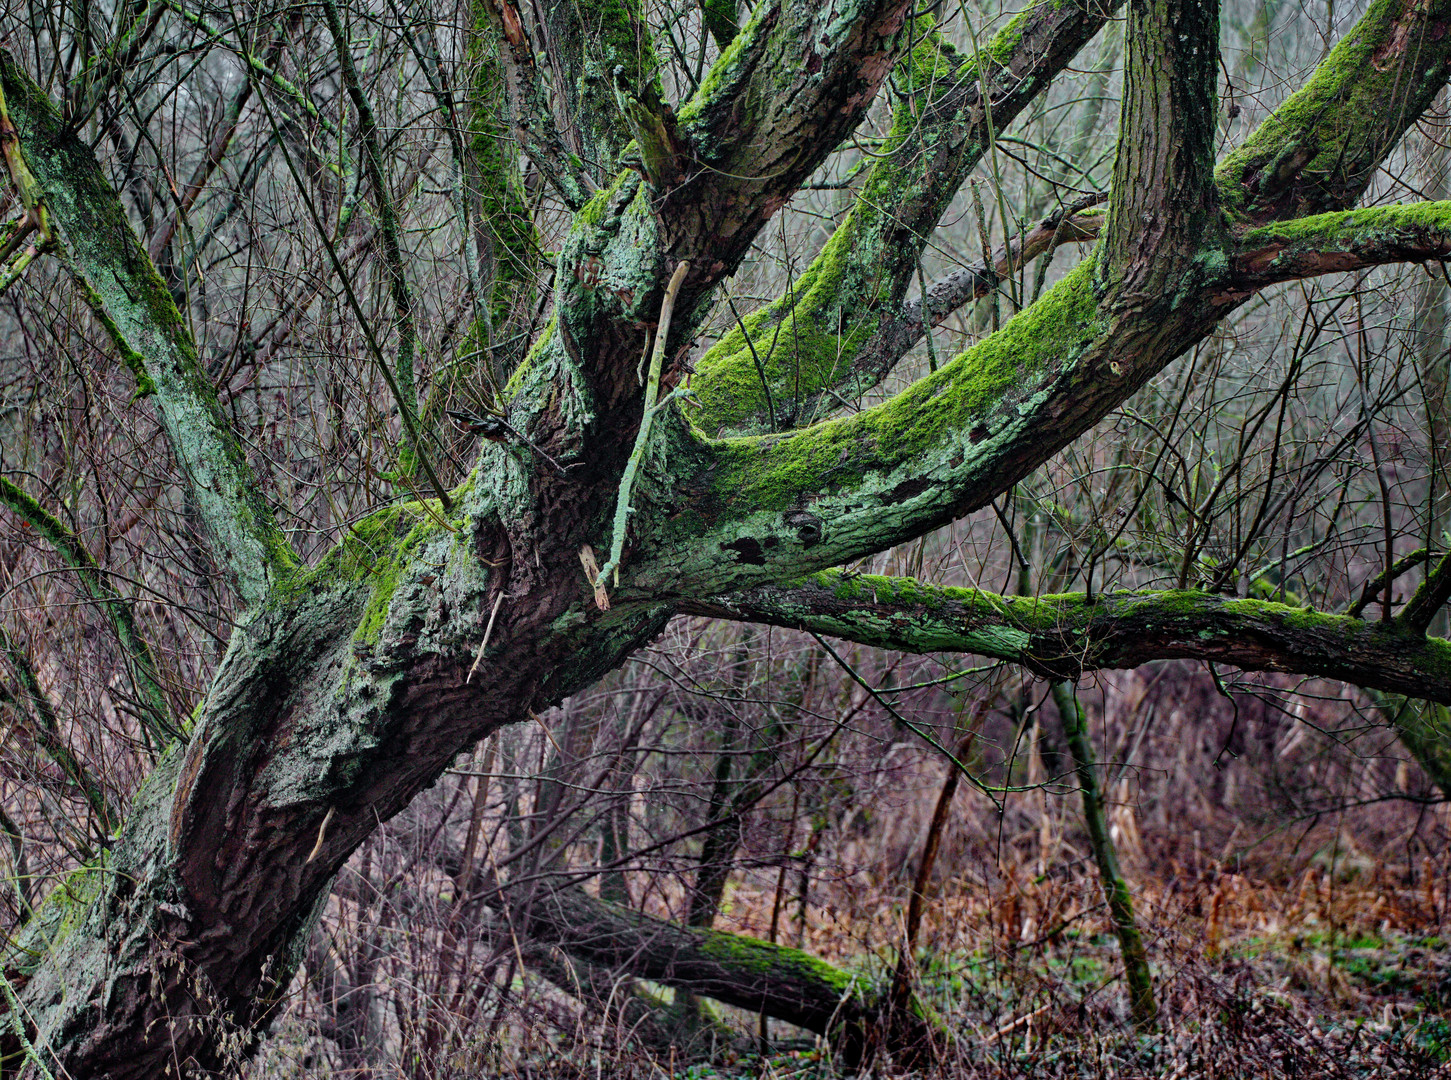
[
  {"x": 488, "y": 633},
  {"x": 405, "y": 411},
  {"x": 321, "y": 834},
  {"x": 642, "y": 437}
]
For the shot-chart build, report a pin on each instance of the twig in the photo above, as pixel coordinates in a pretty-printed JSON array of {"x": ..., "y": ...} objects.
[
  {"x": 1013, "y": 1025},
  {"x": 321, "y": 833},
  {"x": 405, "y": 408},
  {"x": 755, "y": 357},
  {"x": 642, "y": 438},
  {"x": 547, "y": 733},
  {"x": 592, "y": 575},
  {"x": 18, "y": 1024},
  {"x": 488, "y": 633}
]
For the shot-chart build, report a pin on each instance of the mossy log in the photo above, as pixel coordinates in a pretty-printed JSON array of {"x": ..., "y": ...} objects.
[{"x": 781, "y": 982}]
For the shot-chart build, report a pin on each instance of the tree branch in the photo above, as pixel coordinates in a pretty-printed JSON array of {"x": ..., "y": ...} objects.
[
  {"x": 841, "y": 328},
  {"x": 604, "y": 61},
  {"x": 132, "y": 303},
  {"x": 784, "y": 983},
  {"x": 1165, "y": 210},
  {"x": 1429, "y": 598},
  {"x": 1321, "y": 148},
  {"x": 1341, "y": 241},
  {"x": 155, "y": 715},
  {"x": 793, "y": 84},
  {"x": 776, "y": 507},
  {"x": 1060, "y": 637},
  {"x": 528, "y": 105}
]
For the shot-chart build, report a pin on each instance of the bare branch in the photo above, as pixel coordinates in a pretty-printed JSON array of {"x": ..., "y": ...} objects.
[
  {"x": 155, "y": 716},
  {"x": 122, "y": 287}
]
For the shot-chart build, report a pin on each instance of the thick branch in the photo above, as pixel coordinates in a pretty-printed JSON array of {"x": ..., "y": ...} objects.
[
  {"x": 528, "y": 105},
  {"x": 784, "y": 983},
  {"x": 596, "y": 50},
  {"x": 793, "y": 84},
  {"x": 768, "y": 508},
  {"x": 1060, "y": 637},
  {"x": 131, "y": 301},
  {"x": 1345, "y": 240},
  {"x": 1321, "y": 148},
  {"x": 843, "y": 325},
  {"x": 1165, "y": 210}
]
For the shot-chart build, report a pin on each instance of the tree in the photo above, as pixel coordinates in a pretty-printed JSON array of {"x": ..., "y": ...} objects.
[{"x": 614, "y": 491}]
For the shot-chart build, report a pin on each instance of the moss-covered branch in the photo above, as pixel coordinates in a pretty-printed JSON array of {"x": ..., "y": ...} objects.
[
  {"x": 129, "y": 298},
  {"x": 784, "y": 983},
  {"x": 528, "y": 95},
  {"x": 764, "y": 508},
  {"x": 1320, "y": 149},
  {"x": 792, "y": 85},
  {"x": 844, "y": 325},
  {"x": 604, "y": 51},
  {"x": 1062, "y": 636},
  {"x": 1342, "y": 240}
]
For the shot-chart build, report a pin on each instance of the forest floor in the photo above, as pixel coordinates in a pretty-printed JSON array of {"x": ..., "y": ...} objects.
[{"x": 1313, "y": 975}]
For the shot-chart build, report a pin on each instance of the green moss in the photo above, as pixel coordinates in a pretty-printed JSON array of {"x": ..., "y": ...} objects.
[
  {"x": 1005, "y": 41},
  {"x": 803, "y": 348},
  {"x": 537, "y": 352},
  {"x": 1321, "y": 132},
  {"x": 376, "y": 552},
  {"x": 58, "y": 914},
  {"x": 761, "y": 957},
  {"x": 720, "y": 20},
  {"x": 387, "y": 571},
  {"x": 810, "y": 340},
  {"x": 723, "y": 79},
  {"x": 1341, "y": 229},
  {"x": 927, "y": 422}
]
